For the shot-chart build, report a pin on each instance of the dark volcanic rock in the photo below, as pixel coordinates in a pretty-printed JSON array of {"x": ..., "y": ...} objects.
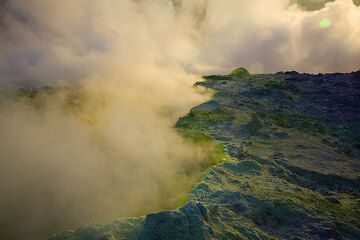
[
  {"x": 206, "y": 107},
  {"x": 166, "y": 225},
  {"x": 186, "y": 223}
]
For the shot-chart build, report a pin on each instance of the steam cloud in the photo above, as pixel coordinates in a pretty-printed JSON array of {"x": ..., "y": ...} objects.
[{"x": 132, "y": 63}]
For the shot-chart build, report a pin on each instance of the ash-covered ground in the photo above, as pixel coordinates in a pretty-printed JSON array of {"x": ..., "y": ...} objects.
[{"x": 290, "y": 167}]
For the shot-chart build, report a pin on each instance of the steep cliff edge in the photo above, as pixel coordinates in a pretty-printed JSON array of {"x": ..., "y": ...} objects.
[{"x": 291, "y": 167}]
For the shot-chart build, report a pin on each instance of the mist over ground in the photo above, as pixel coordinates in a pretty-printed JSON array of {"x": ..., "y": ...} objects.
[{"x": 100, "y": 144}]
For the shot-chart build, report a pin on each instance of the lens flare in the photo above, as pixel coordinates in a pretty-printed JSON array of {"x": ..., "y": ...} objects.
[{"x": 325, "y": 23}]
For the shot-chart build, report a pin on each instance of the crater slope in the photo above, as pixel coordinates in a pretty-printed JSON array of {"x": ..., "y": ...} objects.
[{"x": 291, "y": 168}]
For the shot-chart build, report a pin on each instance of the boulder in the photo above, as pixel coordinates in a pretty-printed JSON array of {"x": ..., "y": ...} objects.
[{"x": 240, "y": 72}]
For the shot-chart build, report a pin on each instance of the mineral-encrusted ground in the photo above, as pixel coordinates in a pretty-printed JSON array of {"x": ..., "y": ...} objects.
[{"x": 291, "y": 168}]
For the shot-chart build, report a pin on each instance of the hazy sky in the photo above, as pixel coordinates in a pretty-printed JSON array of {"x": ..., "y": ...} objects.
[
  {"x": 134, "y": 61},
  {"x": 45, "y": 41}
]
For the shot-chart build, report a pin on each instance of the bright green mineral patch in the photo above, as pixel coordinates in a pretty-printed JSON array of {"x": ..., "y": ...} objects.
[{"x": 239, "y": 72}]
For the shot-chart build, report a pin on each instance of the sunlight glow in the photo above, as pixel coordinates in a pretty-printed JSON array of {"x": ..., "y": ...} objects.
[{"x": 325, "y": 23}]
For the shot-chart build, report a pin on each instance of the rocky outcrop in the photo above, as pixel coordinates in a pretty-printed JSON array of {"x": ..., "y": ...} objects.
[
  {"x": 240, "y": 72},
  {"x": 189, "y": 222}
]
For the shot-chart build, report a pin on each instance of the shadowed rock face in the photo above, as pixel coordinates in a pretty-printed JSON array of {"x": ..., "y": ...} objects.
[
  {"x": 292, "y": 169},
  {"x": 189, "y": 222},
  {"x": 206, "y": 107}
]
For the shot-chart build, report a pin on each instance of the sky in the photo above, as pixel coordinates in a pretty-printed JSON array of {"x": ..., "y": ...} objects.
[
  {"x": 129, "y": 66},
  {"x": 43, "y": 42}
]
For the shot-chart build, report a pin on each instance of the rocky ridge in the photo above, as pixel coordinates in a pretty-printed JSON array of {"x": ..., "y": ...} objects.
[{"x": 291, "y": 168}]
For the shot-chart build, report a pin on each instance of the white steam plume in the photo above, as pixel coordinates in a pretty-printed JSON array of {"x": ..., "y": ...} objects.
[{"x": 127, "y": 68}]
